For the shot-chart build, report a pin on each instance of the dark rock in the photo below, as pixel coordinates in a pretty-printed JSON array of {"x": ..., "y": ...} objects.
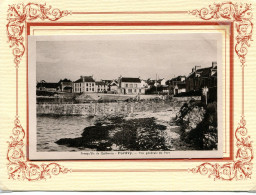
[{"x": 133, "y": 134}]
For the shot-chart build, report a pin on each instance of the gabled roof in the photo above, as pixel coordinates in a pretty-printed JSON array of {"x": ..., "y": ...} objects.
[
  {"x": 203, "y": 72},
  {"x": 130, "y": 80},
  {"x": 48, "y": 85},
  {"x": 85, "y": 79},
  {"x": 113, "y": 84}
]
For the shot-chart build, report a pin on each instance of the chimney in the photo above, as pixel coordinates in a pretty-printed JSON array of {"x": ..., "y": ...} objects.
[
  {"x": 197, "y": 67},
  {"x": 192, "y": 70},
  {"x": 214, "y": 64},
  {"x": 82, "y": 77}
]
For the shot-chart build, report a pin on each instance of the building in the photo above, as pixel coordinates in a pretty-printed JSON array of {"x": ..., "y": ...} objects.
[
  {"x": 86, "y": 84},
  {"x": 107, "y": 84},
  {"x": 65, "y": 85},
  {"x": 177, "y": 84},
  {"x": 179, "y": 88},
  {"x": 202, "y": 77},
  {"x": 101, "y": 87},
  {"x": 113, "y": 86},
  {"x": 128, "y": 85},
  {"x": 44, "y": 86},
  {"x": 150, "y": 83},
  {"x": 162, "y": 82},
  {"x": 144, "y": 84},
  {"x": 156, "y": 86}
]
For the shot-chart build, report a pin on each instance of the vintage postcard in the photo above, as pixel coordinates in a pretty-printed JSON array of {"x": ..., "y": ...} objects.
[{"x": 125, "y": 96}]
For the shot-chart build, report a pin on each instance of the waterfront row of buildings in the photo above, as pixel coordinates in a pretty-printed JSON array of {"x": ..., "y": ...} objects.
[{"x": 195, "y": 81}]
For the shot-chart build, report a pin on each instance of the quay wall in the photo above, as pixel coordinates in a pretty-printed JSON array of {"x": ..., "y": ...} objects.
[
  {"x": 186, "y": 99},
  {"x": 112, "y": 108}
]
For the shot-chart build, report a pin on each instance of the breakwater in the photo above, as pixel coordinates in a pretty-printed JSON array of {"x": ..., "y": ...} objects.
[{"x": 92, "y": 109}]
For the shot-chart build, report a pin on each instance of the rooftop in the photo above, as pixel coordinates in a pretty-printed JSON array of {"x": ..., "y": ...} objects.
[
  {"x": 100, "y": 83},
  {"x": 85, "y": 79},
  {"x": 47, "y": 85},
  {"x": 130, "y": 80},
  {"x": 65, "y": 80}
]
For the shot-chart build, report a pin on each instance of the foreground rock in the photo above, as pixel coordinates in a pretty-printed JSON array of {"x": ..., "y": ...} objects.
[
  {"x": 118, "y": 133},
  {"x": 199, "y": 125}
]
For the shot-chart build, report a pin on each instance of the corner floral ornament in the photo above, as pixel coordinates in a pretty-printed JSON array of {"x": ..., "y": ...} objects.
[
  {"x": 17, "y": 17},
  {"x": 241, "y": 15},
  {"x": 18, "y": 168},
  {"x": 241, "y": 168}
]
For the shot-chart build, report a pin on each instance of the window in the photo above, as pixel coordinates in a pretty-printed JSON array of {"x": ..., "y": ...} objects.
[
  {"x": 126, "y": 85},
  {"x": 86, "y": 88},
  {"x": 129, "y": 90},
  {"x": 130, "y": 85},
  {"x": 135, "y": 90},
  {"x": 135, "y": 85},
  {"x": 92, "y": 89},
  {"x": 87, "y": 84}
]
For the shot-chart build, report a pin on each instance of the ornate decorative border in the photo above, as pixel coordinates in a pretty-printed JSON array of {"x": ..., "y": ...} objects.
[
  {"x": 19, "y": 168},
  {"x": 241, "y": 15}
]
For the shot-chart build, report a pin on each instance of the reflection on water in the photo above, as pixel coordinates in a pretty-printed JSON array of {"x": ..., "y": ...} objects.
[{"x": 52, "y": 128}]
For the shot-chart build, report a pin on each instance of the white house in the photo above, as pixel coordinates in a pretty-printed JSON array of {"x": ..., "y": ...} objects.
[
  {"x": 85, "y": 84},
  {"x": 129, "y": 85}
]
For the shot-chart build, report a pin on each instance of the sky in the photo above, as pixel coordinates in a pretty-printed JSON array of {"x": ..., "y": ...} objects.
[{"x": 110, "y": 58}]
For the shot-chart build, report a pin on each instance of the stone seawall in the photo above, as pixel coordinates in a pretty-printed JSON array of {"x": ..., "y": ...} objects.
[
  {"x": 91, "y": 109},
  {"x": 186, "y": 99}
]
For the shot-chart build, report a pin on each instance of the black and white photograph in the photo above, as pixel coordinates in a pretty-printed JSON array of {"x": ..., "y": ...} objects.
[{"x": 128, "y": 96}]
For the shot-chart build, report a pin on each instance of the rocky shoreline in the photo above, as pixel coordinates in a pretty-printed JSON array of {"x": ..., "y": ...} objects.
[
  {"x": 146, "y": 131},
  {"x": 191, "y": 127},
  {"x": 199, "y": 125}
]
